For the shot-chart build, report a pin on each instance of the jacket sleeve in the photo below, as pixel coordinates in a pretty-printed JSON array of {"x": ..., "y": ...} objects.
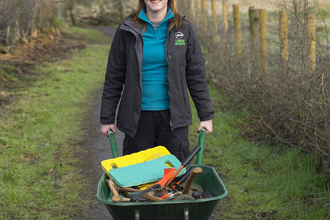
[
  {"x": 114, "y": 79},
  {"x": 196, "y": 77}
]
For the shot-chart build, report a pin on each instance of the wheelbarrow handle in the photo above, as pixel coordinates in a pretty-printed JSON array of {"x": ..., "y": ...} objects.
[
  {"x": 201, "y": 144},
  {"x": 113, "y": 144}
]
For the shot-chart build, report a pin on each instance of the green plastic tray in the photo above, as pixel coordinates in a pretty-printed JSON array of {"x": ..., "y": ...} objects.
[{"x": 199, "y": 209}]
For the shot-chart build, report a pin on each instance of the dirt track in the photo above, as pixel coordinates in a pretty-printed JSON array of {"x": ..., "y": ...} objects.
[
  {"x": 96, "y": 144},
  {"x": 99, "y": 149}
]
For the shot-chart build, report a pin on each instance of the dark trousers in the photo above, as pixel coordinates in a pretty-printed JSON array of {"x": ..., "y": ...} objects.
[{"x": 154, "y": 130}]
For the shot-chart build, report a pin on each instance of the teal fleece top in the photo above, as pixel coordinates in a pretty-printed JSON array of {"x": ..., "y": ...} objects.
[{"x": 154, "y": 65}]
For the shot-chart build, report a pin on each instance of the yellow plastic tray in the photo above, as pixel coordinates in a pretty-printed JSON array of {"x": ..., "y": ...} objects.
[{"x": 139, "y": 157}]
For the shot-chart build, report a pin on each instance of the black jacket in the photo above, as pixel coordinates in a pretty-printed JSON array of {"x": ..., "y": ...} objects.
[{"x": 123, "y": 79}]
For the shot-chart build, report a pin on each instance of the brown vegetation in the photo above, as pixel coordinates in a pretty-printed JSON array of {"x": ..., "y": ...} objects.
[
  {"x": 18, "y": 66},
  {"x": 289, "y": 103},
  {"x": 21, "y": 19},
  {"x": 106, "y": 12}
]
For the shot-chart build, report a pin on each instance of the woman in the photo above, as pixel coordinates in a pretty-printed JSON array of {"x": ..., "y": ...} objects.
[{"x": 155, "y": 55}]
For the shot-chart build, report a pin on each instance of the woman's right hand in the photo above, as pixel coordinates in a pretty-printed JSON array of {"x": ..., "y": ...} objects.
[{"x": 105, "y": 128}]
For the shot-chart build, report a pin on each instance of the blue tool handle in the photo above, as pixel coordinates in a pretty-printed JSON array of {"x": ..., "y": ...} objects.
[
  {"x": 201, "y": 144},
  {"x": 113, "y": 144}
]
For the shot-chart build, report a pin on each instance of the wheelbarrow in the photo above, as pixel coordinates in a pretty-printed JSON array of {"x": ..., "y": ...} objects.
[{"x": 199, "y": 209}]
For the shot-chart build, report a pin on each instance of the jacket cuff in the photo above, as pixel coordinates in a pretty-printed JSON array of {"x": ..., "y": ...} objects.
[
  {"x": 204, "y": 116},
  {"x": 107, "y": 121}
]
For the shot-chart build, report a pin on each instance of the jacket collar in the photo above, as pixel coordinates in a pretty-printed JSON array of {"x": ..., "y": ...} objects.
[
  {"x": 133, "y": 26},
  {"x": 144, "y": 17}
]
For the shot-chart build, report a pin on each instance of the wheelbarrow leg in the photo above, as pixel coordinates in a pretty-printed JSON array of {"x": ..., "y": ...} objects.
[
  {"x": 186, "y": 214},
  {"x": 136, "y": 215}
]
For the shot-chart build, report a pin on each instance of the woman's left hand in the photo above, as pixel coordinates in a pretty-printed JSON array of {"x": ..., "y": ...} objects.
[{"x": 207, "y": 125}]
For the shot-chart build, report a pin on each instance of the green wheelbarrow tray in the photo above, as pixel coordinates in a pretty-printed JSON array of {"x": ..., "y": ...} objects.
[{"x": 199, "y": 209}]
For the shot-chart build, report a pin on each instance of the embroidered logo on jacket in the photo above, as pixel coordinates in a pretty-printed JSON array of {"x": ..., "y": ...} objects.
[{"x": 178, "y": 40}]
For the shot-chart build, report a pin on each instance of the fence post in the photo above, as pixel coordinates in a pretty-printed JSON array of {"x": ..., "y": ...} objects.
[
  {"x": 60, "y": 9},
  {"x": 215, "y": 24},
  {"x": 189, "y": 9},
  {"x": 283, "y": 39},
  {"x": 66, "y": 7},
  {"x": 204, "y": 14},
  {"x": 263, "y": 38},
  {"x": 196, "y": 12},
  {"x": 311, "y": 42},
  {"x": 101, "y": 10},
  {"x": 71, "y": 5},
  {"x": 180, "y": 5},
  {"x": 237, "y": 26},
  {"x": 254, "y": 26},
  {"x": 254, "y": 37},
  {"x": 225, "y": 23},
  {"x": 225, "y": 17},
  {"x": 8, "y": 34}
]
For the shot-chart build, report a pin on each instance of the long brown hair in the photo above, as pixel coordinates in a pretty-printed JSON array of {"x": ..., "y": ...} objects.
[{"x": 176, "y": 21}]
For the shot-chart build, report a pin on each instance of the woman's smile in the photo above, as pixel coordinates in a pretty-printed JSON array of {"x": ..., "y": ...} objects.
[{"x": 156, "y": 9}]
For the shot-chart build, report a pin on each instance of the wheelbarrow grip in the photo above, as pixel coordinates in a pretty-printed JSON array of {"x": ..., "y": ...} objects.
[
  {"x": 113, "y": 144},
  {"x": 201, "y": 144}
]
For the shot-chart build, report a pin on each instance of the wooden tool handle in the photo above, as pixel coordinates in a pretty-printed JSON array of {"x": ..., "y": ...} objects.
[
  {"x": 190, "y": 180},
  {"x": 152, "y": 198},
  {"x": 112, "y": 188},
  {"x": 120, "y": 199},
  {"x": 124, "y": 189}
]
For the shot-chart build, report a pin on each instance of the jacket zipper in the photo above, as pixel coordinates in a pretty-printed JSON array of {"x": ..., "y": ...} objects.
[
  {"x": 169, "y": 93},
  {"x": 133, "y": 31}
]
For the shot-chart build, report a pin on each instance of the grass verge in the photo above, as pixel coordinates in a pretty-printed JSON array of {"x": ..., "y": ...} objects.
[
  {"x": 39, "y": 136},
  {"x": 263, "y": 181},
  {"x": 38, "y": 143}
]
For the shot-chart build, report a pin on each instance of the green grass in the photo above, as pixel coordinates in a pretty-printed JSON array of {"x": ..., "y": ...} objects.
[
  {"x": 261, "y": 180},
  {"x": 322, "y": 12},
  {"x": 39, "y": 136},
  {"x": 8, "y": 77},
  {"x": 86, "y": 34}
]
